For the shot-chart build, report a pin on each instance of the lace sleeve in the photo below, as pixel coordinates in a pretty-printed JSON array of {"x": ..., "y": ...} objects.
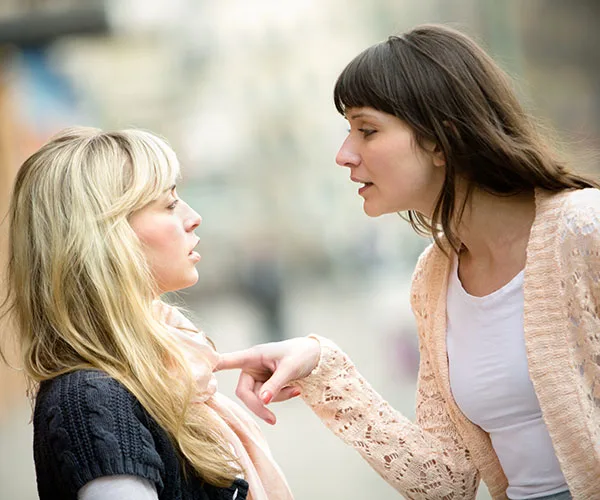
[{"x": 426, "y": 460}]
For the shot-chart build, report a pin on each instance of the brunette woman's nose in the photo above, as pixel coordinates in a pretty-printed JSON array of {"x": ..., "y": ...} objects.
[{"x": 346, "y": 156}]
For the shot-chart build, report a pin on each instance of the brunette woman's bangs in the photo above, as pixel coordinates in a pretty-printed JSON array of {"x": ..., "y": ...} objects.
[{"x": 363, "y": 83}]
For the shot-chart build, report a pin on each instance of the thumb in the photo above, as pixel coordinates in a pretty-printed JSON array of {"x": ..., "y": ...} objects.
[{"x": 281, "y": 377}]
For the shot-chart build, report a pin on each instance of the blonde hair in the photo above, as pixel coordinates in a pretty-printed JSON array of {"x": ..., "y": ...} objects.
[{"x": 81, "y": 290}]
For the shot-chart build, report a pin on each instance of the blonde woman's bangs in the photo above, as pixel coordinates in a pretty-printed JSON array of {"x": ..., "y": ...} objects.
[{"x": 153, "y": 169}]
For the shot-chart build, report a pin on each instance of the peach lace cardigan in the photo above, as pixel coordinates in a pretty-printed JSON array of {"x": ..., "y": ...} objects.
[{"x": 443, "y": 455}]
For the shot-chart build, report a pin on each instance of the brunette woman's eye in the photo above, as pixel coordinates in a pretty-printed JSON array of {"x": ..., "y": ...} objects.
[{"x": 366, "y": 132}]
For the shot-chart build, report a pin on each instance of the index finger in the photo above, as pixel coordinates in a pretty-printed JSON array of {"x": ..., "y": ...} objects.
[{"x": 233, "y": 360}]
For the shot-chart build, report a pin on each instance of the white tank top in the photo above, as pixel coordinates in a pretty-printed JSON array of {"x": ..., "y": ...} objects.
[{"x": 491, "y": 385}]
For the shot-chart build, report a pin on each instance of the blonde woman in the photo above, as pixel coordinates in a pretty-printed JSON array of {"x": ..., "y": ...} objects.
[{"x": 125, "y": 401}]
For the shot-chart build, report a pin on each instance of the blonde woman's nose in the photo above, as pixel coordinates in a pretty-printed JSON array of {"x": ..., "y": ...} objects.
[{"x": 194, "y": 221}]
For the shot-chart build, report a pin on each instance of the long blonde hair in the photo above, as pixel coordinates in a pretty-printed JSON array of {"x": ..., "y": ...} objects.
[{"x": 81, "y": 290}]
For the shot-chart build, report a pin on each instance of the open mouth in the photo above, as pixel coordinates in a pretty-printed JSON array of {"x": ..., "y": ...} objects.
[
  {"x": 365, "y": 186},
  {"x": 194, "y": 247}
]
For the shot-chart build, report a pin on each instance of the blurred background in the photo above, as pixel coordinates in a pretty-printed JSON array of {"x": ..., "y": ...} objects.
[{"x": 242, "y": 90}]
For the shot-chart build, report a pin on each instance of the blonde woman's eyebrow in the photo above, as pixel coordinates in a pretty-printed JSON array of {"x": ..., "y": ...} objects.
[{"x": 170, "y": 189}]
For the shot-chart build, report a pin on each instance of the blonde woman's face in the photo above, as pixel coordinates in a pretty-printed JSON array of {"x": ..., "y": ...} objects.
[{"x": 166, "y": 229}]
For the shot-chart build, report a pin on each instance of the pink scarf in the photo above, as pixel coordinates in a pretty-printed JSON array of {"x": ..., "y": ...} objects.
[{"x": 264, "y": 476}]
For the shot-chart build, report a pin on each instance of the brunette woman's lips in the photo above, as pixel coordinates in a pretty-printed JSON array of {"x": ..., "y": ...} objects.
[{"x": 365, "y": 187}]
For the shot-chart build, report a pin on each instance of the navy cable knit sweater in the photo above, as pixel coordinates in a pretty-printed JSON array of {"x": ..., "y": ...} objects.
[{"x": 88, "y": 425}]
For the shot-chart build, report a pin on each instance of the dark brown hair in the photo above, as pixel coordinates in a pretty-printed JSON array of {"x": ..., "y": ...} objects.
[{"x": 450, "y": 92}]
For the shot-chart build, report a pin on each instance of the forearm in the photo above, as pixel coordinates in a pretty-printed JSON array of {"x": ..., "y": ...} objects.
[{"x": 418, "y": 464}]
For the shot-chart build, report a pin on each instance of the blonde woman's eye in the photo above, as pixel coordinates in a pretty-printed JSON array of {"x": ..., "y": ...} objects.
[{"x": 173, "y": 205}]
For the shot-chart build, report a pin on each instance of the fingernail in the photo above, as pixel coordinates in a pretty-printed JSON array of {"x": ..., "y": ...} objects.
[
  {"x": 266, "y": 397},
  {"x": 295, "y": 393},
  {"x": 270, "y": 420}
]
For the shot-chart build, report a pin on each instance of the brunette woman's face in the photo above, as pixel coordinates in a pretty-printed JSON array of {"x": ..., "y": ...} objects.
[
  {"x": 165, "y": 228},
  {"x": 382, "y": 155}
]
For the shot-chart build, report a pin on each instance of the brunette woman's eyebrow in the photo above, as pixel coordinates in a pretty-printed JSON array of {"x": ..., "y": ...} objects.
[{"x": 361, "y": 114}]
